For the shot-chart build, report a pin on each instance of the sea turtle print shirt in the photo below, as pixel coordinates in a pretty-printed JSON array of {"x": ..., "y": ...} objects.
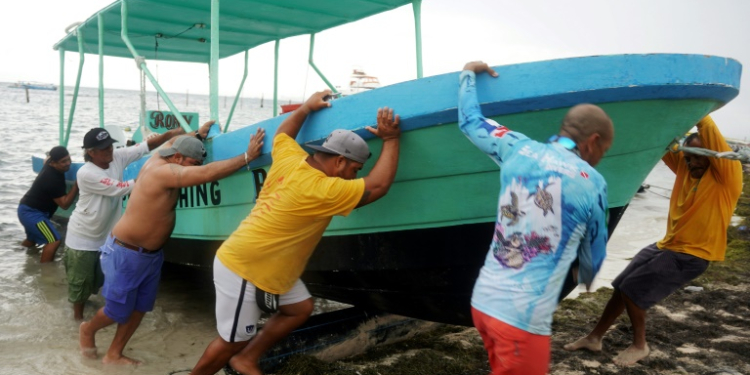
[{"x": 551, "y": 210}]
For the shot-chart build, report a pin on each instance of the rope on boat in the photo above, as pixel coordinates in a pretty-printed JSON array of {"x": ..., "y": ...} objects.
[{"x": 742, "y": 154}]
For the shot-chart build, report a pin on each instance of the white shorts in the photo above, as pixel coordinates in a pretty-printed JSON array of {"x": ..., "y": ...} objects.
[{"x": 236, "y": 311}]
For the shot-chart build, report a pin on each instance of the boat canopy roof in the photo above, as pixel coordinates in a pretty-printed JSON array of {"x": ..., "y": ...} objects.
[{"x": 180, "y": 30}]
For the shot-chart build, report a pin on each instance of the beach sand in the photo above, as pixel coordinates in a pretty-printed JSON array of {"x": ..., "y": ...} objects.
[{"x": 690, "y": 332}]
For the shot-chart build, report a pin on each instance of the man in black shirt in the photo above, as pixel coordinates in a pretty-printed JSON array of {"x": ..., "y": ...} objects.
[{"x": 41, "y": 201}]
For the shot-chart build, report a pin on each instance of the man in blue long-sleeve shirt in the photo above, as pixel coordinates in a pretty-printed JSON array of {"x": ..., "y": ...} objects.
[{"x": 551, "y": 209}]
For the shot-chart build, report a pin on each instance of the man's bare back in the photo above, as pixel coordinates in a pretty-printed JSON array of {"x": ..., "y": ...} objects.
[{"x": 149, "y": 218}]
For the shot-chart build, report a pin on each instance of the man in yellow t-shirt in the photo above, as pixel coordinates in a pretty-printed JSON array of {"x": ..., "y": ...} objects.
[
  {"x": 703, "y": 199},
  {"x": 258, "y": 267}
]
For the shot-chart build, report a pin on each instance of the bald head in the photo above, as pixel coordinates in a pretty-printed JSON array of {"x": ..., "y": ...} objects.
[
  {"x": 584, "y": 120},
  {"x": 591, "y": 129}
]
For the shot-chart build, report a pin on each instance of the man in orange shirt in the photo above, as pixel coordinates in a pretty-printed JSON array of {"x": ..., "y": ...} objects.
[
  {"x": 703, "y": 199},
  {"x": 258, "y": 267}
]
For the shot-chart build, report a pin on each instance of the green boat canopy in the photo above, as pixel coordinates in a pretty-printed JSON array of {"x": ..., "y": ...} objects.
[{"x": 180, "y": 30}]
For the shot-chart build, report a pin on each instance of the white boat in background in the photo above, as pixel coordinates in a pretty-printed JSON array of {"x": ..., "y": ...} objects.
[
  {"x": 33, "y": 86},
  {"x": 360, "y": 82}
]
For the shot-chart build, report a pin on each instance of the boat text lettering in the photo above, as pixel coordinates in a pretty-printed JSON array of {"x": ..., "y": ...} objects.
[
  {"x": 200, "y": 195},
  {"x": 259, "y": 176},
  {"x": 167, "y": 121}
]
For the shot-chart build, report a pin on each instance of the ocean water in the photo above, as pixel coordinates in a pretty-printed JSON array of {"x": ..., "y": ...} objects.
[{"x": 37, "y": 332}]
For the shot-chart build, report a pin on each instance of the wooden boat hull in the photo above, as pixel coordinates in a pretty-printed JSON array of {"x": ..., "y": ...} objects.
[{"x": 417, "y": 251}]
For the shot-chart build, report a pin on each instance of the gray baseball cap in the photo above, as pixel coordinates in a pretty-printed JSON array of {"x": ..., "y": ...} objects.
[
  {"x": 187, "y": 146},
  {"x": 345, "y": 143}
]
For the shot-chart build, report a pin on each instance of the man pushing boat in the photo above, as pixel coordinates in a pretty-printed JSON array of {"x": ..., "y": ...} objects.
[
  {"x": 552, "y": 209},
  {"x": 258, "y": 267},
  {"x": 704, "y": 196},
  {"x": 131, "y": 257},
  {"x": 41, "y": 201}
]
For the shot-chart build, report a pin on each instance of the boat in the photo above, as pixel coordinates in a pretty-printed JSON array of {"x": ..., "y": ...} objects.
[
  {"x": 359, "y": 81},
  {"x": 417, "y": 251},
  {"x": 289, "y": 107},
  {"x": 33, "y": 86}
]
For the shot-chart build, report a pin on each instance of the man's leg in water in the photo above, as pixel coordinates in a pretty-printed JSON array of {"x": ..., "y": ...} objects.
[
  {"x": 122, "y": 336},
  {"x": 87, "y": 333}
]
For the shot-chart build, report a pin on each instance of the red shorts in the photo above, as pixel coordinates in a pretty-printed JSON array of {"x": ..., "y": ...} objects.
[{"x": 512, "y": 351}]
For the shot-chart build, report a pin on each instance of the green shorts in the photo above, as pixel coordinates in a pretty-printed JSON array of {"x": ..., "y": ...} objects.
[{"x": 84, "y": 272}]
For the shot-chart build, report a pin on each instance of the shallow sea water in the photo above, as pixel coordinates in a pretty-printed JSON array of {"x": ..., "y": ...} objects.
[{"x": 37, "y": 332}]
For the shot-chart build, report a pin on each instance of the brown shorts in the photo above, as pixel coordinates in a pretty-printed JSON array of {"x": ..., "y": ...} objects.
[{"x": 654, "y": 274}]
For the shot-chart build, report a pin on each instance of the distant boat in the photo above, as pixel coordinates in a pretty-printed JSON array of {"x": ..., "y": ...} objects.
[
  {"x": 33, "y": 86},
  {"x": 286, "y": 108},
  {"x": 359, "y": 82}
]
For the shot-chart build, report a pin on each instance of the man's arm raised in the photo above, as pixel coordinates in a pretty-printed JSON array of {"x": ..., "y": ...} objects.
[
  {"x": 293, "y": 123},
  {"x": 168, "y": 137},
  {"x": 379, "y": 181},
  {"x": 176, "y": 176}
]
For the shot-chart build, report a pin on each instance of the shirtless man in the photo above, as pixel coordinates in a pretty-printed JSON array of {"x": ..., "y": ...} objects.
[{"x": 132, "y": 258}]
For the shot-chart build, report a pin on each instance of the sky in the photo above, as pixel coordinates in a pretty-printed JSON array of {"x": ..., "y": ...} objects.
[{"x": 453, "y": 32}]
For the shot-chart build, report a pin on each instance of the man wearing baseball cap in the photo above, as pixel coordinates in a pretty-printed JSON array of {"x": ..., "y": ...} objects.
[
  {"x": 131, "y": 256},
  {"x": 258, "y": 267},
  {"x": 99, "y": 207},
  {"x": 344, "y": 143},
  {"x": 41, "y": 201}
]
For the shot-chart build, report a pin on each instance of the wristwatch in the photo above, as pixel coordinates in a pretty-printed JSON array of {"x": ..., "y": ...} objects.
[{"x": 198, "y": 135}]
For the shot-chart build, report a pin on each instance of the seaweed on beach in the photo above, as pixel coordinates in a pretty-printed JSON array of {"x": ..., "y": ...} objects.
[{"x": 427, "y": 352}]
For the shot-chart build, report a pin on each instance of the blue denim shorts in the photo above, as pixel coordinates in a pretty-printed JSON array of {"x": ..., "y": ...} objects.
[{"x": 131, "y": 280}]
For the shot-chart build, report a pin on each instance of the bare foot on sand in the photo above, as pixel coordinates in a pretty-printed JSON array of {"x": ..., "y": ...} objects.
[
  {"x": 86, "y": 342},
  {"x": 244, "y": 367},
  {"x": 586, "y": 342},
  {"x": 121, "y": 360},
  {"x": 631, "y": 355}
]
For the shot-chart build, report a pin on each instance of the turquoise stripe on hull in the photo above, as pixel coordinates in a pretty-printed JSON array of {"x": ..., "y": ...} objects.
[{"x": 443, "y": 180}]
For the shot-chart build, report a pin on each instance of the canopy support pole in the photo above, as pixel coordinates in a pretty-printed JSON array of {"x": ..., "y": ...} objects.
[
  {"x": 312, "y": 64},
  {"x": 237, "y": 97},
  {"x": 100, "y": 20},
  {"x": 417, "y": 7},
  {"x": 79, "y": 33},
  {"x": 214, "y": 70},
  {"x": 142, "y": 65},
  {"x": 276, "y": 79},
  {"x": 62, "y": 97}
]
